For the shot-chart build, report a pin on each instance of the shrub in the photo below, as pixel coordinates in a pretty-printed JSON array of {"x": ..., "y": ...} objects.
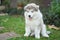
[
  {"x": 6, "y": 2},
  {"x": 14, "y": 11},
  {"x": 53, "y": 16}
]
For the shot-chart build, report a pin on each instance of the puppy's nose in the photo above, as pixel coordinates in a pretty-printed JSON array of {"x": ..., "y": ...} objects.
[{"x": 29, "y": 16}]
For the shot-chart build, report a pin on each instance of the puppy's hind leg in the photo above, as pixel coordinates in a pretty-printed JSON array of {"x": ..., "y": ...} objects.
[
  {"x": 43, "y": 28},
  {"x": 44, "y": 32}
]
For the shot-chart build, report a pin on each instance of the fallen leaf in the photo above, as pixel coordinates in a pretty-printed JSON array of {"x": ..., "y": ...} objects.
[{"x": 53, "y": 27}]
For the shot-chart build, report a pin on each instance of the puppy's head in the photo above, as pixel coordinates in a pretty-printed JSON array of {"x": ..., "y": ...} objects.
[
  {"x": 31, "y": 9},
  {"x": 31, "y": 6}
]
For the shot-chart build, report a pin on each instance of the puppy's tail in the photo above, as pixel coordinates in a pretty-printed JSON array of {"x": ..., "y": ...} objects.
[{"x": 48, "y": 32}]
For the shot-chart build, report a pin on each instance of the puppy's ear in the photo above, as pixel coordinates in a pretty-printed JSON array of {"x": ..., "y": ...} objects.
[
  {"x": 25, "y": 8},
  {"x": 37, "y": 6}
]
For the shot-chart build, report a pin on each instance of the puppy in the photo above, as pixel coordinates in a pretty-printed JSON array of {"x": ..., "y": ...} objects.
[{"x": 34, "y": 24}]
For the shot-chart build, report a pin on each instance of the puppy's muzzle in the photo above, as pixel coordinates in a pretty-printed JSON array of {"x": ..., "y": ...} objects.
[{"x": 29, "y": 16}]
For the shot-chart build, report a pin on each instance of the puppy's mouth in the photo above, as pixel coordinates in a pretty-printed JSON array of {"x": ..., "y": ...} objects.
[{"x": 30, "y": 18}]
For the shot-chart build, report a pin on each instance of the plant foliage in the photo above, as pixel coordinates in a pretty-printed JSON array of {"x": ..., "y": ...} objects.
[{"x": 53, "y": 17}]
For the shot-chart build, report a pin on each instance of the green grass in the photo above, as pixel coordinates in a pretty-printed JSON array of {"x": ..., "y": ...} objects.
[{"x": 16, "y": 24}]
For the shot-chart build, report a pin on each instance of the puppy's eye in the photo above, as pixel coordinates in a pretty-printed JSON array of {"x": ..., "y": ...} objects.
[
  {"x": 32, "y": 11},
  {"x": 26, "y": 11}
]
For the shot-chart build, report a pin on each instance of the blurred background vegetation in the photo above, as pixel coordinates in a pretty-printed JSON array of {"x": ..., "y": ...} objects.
[{"x": 49, "y": 8}]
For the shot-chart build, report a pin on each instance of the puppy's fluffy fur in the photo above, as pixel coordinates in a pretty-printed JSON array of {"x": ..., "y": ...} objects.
[{"x": 34, "y": 24}]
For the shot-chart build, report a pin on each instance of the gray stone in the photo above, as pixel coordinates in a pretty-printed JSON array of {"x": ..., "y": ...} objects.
[{"x": 7, "y": 35}]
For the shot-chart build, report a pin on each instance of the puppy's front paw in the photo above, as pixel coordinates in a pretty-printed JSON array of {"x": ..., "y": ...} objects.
[
  {"x": 45, "y": 35},
  {"x": 26, "y": 35},
  {"x": 37, "y": 37}
]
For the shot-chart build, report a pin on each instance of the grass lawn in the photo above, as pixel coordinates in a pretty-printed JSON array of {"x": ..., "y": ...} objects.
[{"x": 16, "y": 24}]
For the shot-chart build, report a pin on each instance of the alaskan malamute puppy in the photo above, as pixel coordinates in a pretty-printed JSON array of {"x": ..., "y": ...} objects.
[{"x": 34, "y": 24}]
